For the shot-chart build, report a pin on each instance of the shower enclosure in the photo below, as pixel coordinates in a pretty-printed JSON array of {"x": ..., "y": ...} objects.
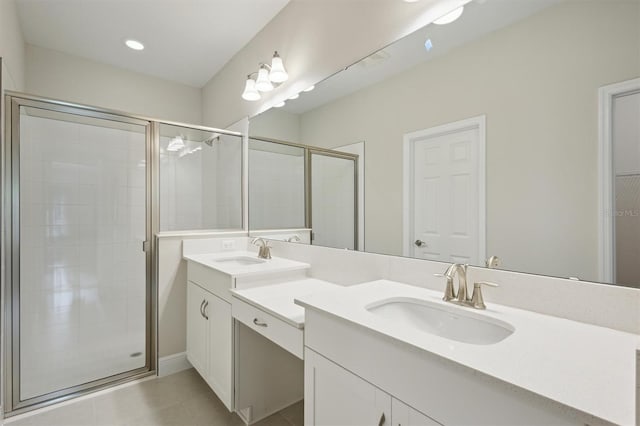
[{"x": 81, "y": 206}]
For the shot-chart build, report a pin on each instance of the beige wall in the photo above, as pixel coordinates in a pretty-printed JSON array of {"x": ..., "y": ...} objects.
[
  {"x": 277, "y": 124},
  {"x": 315, "y": 38},
  {"x": 54, "y": 74},
  {"x": 539, "y": 94},
  {"x": 11, "y": 47}
]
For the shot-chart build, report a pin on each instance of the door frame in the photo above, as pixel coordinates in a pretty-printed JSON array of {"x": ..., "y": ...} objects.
[
  {"x": 606, "y": 192},
  {"x": 13, "y": 405},
  {"x": 409, "y": 139}
]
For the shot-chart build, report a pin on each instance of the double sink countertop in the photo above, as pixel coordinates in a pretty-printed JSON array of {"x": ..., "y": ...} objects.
[{"x": 586, "y": 367}]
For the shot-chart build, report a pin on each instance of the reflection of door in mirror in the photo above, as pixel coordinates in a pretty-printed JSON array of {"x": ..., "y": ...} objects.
[
  {"x": 444, "y": 192},
  {"x": 333, "y": 201},
  {"x": 626, "y": 149}
]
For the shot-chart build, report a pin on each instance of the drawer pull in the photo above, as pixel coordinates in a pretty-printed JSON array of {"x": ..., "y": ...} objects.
[
  {"x": 204, "y": 310},
  {"x": 258, "y": 323}
]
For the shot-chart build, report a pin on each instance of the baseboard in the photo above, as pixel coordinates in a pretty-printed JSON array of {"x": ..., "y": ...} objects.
[{"x": 172, "y": 364}]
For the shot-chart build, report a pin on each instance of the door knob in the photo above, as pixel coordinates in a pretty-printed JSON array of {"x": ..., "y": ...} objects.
[{"x": 420, "y": 243}]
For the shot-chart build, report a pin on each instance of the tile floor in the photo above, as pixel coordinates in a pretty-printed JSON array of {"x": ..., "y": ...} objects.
[{"x": 181, "y": 399}]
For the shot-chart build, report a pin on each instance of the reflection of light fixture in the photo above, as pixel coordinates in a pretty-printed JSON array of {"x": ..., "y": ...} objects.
[
  {"x": 134, "y": 44},
  {"x": 279, "y": 104},
  {"x": 175, "y": 144},
  {"x": 296, "y": 96},
  {"x": 449, "y": 17},
  {"x": 250, "y": 92},
  {"x": 267, "y": 75},
  {"x": 310, "y": 88}
]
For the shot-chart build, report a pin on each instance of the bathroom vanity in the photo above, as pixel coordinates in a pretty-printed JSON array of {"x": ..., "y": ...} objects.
[
  {"x": 385, "y": 350},
  {"x": 214, "y": 341}
]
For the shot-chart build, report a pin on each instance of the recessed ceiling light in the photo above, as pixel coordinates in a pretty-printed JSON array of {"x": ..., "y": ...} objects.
[
  {"x": 296, "y": 96},
  {"x": 279, "y": 104},
  {"x": 449, "y": 17},
  {"x": 134, "y": 44},
  {"x": 310, "y": 88}
]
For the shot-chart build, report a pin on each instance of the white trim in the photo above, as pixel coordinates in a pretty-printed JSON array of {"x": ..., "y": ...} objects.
[
  {"x": 478, "y": 122},
  {"x": 173, "y": 364},
  {"x": 606, "y": 243}
]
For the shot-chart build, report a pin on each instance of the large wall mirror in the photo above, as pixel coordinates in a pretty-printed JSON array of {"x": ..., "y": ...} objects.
[{"x": 513, "y": 131}]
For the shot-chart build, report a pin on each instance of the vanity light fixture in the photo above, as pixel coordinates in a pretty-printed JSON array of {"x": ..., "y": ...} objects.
[
  {"x": 279, "y": 104},
  {"x": 296, "y": 96},
  {"x": 449, "y": 17},
  {"x": 310, "y": 88},
  {"x": 263, "y": 83},
  {"x": 134, "y": 44},
  {"x": 250, "y": 92},
  {"x": 267, "y": 75},
  {"x": 411, "y": 1}
]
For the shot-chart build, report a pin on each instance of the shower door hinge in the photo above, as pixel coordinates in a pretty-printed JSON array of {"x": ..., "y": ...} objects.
[{"x": 146, "y": 246}]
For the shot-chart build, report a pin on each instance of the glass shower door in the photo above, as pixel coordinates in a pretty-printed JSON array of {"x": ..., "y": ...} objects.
[
  {"x": 80, "y": 302},
  {"x": 334, "y": 208}
]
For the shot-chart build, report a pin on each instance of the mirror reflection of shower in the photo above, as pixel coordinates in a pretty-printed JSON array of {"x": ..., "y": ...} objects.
[{"x": 183, "y": 146}]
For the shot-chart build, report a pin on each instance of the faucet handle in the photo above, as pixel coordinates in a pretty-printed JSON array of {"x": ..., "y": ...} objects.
[{"x": 477, "y": 301}]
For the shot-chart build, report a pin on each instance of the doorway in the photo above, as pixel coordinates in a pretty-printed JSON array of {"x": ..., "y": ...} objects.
[
  {"x": 619, "y": 151},
  {"x": 444, "y": 192}
]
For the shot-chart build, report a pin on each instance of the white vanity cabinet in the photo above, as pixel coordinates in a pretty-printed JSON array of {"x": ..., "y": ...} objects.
[
  {"x": 210, "y": 329},
  {"x": 334, "y": 396}
]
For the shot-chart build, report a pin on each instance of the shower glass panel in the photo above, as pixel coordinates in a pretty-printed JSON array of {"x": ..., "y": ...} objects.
[
  {"x": 82, "y": 295},
  {"x": 200, "y": 179},
  {"x": 276, "y": 185},
  {"x": 333, "y": 200}
]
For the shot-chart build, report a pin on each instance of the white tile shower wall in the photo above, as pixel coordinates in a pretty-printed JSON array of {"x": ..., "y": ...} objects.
[
  {"x": 333, "y": 201},
  {"x": 82, "y": 267},
  {"x": 276, "y": 190},
  {"x": 228, "y": 182}
]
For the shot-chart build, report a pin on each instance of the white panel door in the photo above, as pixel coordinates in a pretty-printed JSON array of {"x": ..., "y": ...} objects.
[{"x": 446, "y": 197}]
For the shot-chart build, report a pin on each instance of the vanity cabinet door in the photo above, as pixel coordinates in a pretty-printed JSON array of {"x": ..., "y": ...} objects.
[
  {"x": 220, "y": 349},
  {"x": 335, "y": 396},
  {"x": 403, "y": 415},
  {"x": 197, "y": 328}
]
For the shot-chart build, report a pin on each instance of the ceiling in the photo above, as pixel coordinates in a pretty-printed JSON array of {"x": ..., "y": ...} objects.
[{"x": 186, "y": 41}]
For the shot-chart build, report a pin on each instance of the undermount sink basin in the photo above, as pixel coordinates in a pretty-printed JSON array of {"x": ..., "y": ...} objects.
[
  {"x": 450, "y": 322},
  {"x": 240, "y": 260}
]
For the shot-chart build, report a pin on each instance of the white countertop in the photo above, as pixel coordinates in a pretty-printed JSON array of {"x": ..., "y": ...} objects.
[
  {"x": 582, "y": 366},
  {"x": 275, "y": 264},
  {"x": 278, "y": 299}
]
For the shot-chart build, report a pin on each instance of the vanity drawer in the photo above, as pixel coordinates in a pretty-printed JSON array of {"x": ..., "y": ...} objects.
[{"x": 274, "y": 329}]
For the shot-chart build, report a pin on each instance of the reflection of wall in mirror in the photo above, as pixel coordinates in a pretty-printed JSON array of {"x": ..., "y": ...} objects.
[{"x": 537, "y": 82}]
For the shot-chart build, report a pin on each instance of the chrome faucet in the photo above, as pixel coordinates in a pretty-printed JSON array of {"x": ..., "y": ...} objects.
[
  {"x": 293, "y": 239},
  {"x": 265, "y": 251},
  {"x": 461, "y": 297}
]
